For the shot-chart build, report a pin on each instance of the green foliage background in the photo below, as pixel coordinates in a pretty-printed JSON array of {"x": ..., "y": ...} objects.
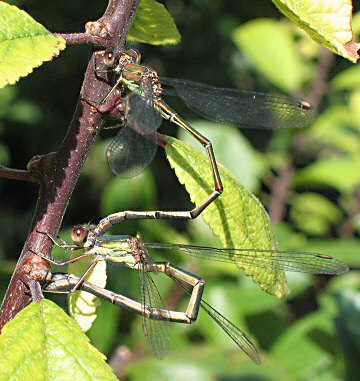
[{"x": 314, "y": 334}]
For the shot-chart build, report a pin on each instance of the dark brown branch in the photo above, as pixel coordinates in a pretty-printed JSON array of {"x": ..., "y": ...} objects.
[
  {"x": 280, "y": 193},
  {"x": 15, "y": 174},
  {"x": 57, "y": 173},
  {"x": 80, "y": 38},
  {"x": 320, "y": 84}
]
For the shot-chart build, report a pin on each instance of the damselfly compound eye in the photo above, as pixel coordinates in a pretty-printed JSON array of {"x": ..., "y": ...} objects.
[
  {"x": 134, "y": 55},
  {"x": 79, "y": 234},
  {"x": 109, "y": 58}
]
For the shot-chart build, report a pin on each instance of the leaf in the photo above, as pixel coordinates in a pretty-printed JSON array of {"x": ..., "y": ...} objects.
[
  {"x": 127, "y": 194},
  {"x": 327, "y": 22},
  {"x": 337, "y": 130},
  {"x": 264, "y": 38},
  {"x": 153, "y": 25},
  {"x": 348, "y": 79},
  {"x": 305, "y": 347},
  {"x": 24, "y": 44},
  {"x": 229, "y": 141},
  {"x": 83, "y": 305},
  {"x": 43, "y": 343},
  {"x": 237, "y": 217},
  {"x": 314, "y": 213},
  {"x": 340, "y": 173},
  {"x": 349, "y": 333}
]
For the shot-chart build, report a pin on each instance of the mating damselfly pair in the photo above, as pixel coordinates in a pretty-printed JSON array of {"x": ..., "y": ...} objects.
[
  {"x": 133, "y": 253},
  {"x": 128, "y": 154}
]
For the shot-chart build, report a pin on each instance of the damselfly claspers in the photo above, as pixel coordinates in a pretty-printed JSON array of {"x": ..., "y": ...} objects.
[{"x": 145, "y": 109}]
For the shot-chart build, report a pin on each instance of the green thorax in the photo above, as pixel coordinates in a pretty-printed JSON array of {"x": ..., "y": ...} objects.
[
  {"x": 115, "y": 248},
  {"x": 141, "y": 80}
]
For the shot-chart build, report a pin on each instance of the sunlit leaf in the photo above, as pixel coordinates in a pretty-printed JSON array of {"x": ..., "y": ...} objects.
[
  {"x": 228, "y": 142},
  {"x": 24, "y": 44},
  {"x": 237, "y": 217},
  {"x": 327, "y": 22},
  {"x": 43, "y": 343},
  {"x": 83, "y": 305},
  {"x": 265, "y": 41},
  {"x": 153, "y": 25}
]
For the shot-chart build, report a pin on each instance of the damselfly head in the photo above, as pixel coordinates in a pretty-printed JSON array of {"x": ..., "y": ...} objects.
[{"x": 133, "y": 55}]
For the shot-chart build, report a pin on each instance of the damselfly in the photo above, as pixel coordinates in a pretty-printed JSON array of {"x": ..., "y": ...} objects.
[
  {"x": 130, "y": 252},
  {"x": 146, "y": 108},
  {"x": 133, "y": 253}
]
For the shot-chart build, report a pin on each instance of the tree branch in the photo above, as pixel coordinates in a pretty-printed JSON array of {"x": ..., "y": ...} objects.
[
  {"x": 15, "y": 174},
  {"x": 57, "y": 173}
]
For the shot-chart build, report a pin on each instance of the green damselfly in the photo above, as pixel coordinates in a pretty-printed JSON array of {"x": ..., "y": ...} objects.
[
  {"x": 145, "y": 108},
  {"x": 130, "y": 252},
  {"x": 133, "y": 253}
]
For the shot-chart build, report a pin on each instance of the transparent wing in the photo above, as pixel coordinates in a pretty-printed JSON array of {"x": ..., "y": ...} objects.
[
  {"x": 156, "y": 327},
  {"x": 241, "y": 107},
  {"x": 240, "y": 338},
  {"x": 296, "y": 261},
  {"x": 129, "y": 153},
  {"x": 134, "y": 147}
]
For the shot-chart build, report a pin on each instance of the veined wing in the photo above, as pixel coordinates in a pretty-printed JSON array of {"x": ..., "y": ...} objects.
[
  {"x": 296, "y": 261},
  {"x": 156, "y": 327},
  {"x": 240, "y": 338},
  {"x": 241, "y": 107},
  {"x": 133, "y": 148}
]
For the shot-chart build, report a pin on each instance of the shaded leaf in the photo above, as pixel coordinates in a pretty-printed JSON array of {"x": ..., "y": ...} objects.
[
  {"x": 264, "y": 38},
  {"x": 327, "y": 22},
  {"x": 349, "y": 332},
  {"x": 304, "y": 348},
  {"x": 340, "y": 173},
  {"x": 314, "y": 213},
  {"x": 43, "y": 343},
  {"x": 153, "y": 25},
  {"x": 237, "y": 217},
  {"x": 24, "y": 44}
]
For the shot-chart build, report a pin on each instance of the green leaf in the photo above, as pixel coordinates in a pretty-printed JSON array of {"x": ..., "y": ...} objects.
[
  {"x": 348, "y": 324},
  {"x": 83, "y": 305},
  {"x": 127, "y": 194},
  {"x": 337, "y": 128},
  {"x": 229, "y": 142},
  {"x": 43, "y": 343},
  {"x": 313, "y": 213},
  {"x": 237, "y": 217},
  {"x": 153, "y": 25},
  {"x": 340, "y": 173},
  {"x": 327, "y": 22},
  {"x": 265, "y": 40},
  {"x": 304, "y": 348},
  {"x": 348, "y": 79},
  {"x": 24, "y": 44}
]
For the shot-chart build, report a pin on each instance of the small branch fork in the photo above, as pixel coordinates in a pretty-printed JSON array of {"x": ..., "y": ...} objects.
[{"x": 57, "y": 172}]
